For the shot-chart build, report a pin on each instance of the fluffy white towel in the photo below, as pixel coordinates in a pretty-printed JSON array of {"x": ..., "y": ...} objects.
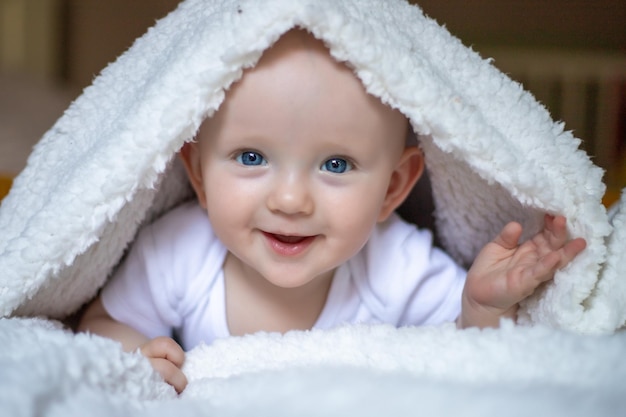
[
  {"x": 493, "y": 155},
  {"x": 354, "y": 370}
]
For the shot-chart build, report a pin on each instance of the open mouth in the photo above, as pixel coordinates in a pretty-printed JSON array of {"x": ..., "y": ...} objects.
[
  {"x": 288, "y": 245},
  {"x": 289, "y": 239}
]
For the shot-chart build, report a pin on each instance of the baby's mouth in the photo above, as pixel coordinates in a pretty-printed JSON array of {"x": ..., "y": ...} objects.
[
  {"x": 289, "y": 239},
  {"x": 286, "y": 245}
]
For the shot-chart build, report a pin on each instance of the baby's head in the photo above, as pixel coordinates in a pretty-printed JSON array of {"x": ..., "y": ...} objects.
[{"x": 299, "y": 149}]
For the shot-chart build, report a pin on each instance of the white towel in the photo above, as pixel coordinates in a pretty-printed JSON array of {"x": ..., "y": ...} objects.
[
  {"x": 493, "y": 155},
  {"x": 493, "y": 152}
]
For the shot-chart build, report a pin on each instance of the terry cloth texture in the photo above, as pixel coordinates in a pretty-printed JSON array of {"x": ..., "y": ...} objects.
[
  {"x": 493, "y": 153},
  {"x": 354, "y": 370}
]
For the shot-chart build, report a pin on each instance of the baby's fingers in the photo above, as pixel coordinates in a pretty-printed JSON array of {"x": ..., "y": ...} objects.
[
  {"x": 546, "y": 267},
  {"x": 170, "y": 373},
  {"x": 571, "y": 250},
  {"x": 165, "y": 348},
  {"x": 509, "y": 236},
  {"x": 167, "y": 357},
  {"x": 555, "y": 231}
]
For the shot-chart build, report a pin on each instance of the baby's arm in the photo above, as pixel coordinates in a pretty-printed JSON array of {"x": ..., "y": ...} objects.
[
  {"x": 505, "y": 273},
  {"x": 165, "y": 355}
]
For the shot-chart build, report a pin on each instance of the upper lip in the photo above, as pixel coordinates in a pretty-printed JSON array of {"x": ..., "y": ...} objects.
[
  {"x": 288, "y": 235},
  {"x": 284, "y": 233}
]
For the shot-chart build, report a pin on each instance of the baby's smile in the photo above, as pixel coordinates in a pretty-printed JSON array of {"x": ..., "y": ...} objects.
[{"x": 288, "y": 245}]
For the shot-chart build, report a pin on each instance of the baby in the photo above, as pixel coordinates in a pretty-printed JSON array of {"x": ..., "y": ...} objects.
[{"x": 297, "y": 177}]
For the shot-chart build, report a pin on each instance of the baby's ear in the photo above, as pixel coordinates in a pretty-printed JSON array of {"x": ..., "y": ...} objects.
[
  {"x": 190, "y": 155},
  {"x": 403, "y": 179}
]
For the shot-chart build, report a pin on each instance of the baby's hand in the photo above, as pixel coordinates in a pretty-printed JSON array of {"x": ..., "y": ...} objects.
[
  {"x": 166, "y": 357},
  {"x": 504, "y": 273}
]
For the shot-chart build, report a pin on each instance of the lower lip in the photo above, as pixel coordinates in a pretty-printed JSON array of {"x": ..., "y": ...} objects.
[{"x": 288, "y": 249}]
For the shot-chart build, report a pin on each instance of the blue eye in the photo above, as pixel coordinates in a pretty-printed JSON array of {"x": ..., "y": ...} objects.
[
  {"x": 336, "y": 165},
  {"x": 250, "y": 158}
]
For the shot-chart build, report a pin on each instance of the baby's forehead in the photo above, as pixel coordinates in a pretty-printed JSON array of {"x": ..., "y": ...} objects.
[
  {"x": 298, "y": 51},
  {"x": 294, "y": 41},
  {"x": 297, "y": 89},
  {"x": 300, "y": 64}
]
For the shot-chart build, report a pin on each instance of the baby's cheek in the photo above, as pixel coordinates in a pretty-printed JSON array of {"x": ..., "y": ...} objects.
[{"x": 355, "y": 227}]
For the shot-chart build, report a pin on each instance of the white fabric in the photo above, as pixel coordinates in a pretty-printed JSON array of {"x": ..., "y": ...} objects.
[
  {"x": 173, "y": 279},
  {"x": 493, "y": 154},
  {"x": 372, "y": 370}
]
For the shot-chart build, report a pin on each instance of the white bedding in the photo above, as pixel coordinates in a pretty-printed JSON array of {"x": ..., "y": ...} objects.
[
  {"x": 493, "y": 155},
  {"x": 355, "y": 370}
]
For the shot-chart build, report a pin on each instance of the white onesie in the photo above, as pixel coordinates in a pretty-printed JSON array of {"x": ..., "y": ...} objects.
[{"x": 172, "y": 281}]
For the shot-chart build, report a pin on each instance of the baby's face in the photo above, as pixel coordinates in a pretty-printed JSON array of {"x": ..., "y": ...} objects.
[{"x": 295, "y": 167}]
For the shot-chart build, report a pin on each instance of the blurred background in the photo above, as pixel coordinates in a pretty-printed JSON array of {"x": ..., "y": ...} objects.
[{"x": 570, "y": 53}]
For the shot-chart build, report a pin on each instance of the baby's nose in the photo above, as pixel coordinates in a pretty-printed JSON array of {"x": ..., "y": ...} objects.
[{"x": 291, "y": 195}]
